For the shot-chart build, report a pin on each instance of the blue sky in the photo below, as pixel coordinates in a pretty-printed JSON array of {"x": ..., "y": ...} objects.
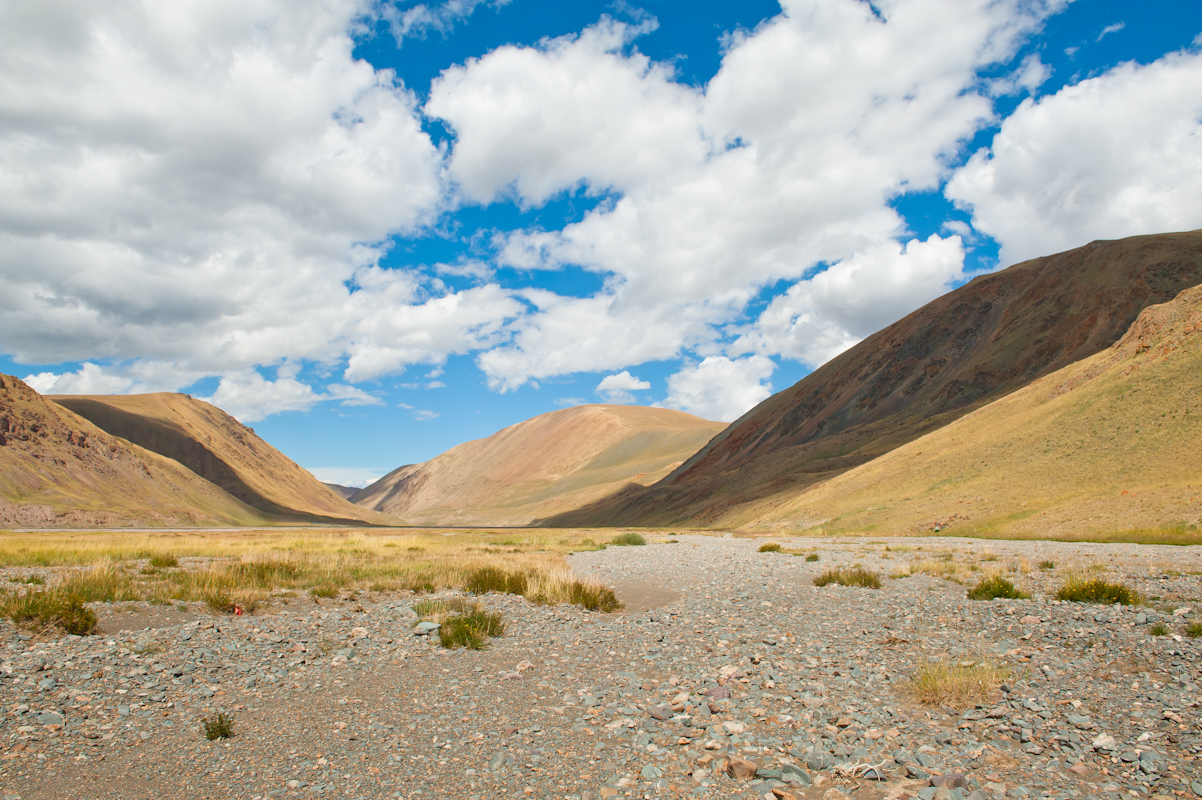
[{"x": 374, "y": 230}]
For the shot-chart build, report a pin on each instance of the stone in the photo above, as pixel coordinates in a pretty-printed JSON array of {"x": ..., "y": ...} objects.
[
  {"x": 741, "y": 769},
  {"x": 658, "y": 713},
  {"x": 718, "y": 692},
  {"x": 1105, "y": 742},
  {"x": 51, "y": 718},
  {"x": 651, "y": 772},
  {"x": 955, "y": 780}
]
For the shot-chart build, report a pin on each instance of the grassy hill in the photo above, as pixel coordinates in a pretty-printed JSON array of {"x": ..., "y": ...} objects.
[
  {"x": 57, "y": 469},
  {"x": 958, "y": 353},
  {"x": 545, "y": 465},
  {"x": 221, "y": 450},
  {"x": 1109, "y": 443}
]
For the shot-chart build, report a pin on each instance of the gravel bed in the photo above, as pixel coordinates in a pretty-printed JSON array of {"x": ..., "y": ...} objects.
[{"x": 748, "y": 681}]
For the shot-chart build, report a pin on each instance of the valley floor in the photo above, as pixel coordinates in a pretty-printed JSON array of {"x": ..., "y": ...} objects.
[{"x": 342, "y": 699}]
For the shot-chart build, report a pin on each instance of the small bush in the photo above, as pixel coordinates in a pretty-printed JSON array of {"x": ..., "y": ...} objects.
[
  {"x": 849, "y": 576},
  {"x": 593, "y": 597},
  {"x": 495, "y": 579},
  {"x": 942, "y": 683},
  {"x": 1097, "y": 591},
  {"x": 627, "y": 539},
  {"x": 770, "y": 547},
  {"x": 218, "y": 726},
  {"x": 164, "y": 561},
  {"x": 1159, "y": 629},
  {"x": 471, "y": 630},
  {"x": 1047, "y": 565},
  {"x": 812, "y": 557},
  {"x": 50, "y": 609},
  {"x": 995, "y": 587},
  {"x": 1193, "y": 630}
]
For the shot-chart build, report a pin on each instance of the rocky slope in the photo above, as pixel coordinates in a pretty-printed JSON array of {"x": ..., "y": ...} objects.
[
  {"x": 221, "y": 450},
  {"x": 972, "y": 346},
  {"x": 57, "y": 469},
  {"x": 1110, "y": 442},
  {"x": 551, "y": 463}
]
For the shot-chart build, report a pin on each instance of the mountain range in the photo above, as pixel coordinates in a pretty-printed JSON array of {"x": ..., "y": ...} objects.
[{"x": 1060, "y": 393}]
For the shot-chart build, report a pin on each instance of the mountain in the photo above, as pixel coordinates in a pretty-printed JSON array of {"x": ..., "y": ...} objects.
[
  {"x": 1107, "y": 443},
  {"x": 59, "y": 470},
  {"x": 345, "y": 492},
  {"x": 221, "y": 450},
  {"x": 962, "y": 351},
  {"x": 553, "y": 462}
]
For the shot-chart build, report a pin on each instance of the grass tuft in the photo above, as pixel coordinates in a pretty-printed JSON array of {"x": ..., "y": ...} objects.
[
  {"x": 471, "y": 630},
  {"x": 218, "y": 726},
  {"x": 495, "y": 579},
  {"x": 812, "y": 557},
  {"x": 1047, "y": 565},
  {"x": 995, "y": 587},
  {"x": 164, "y": 561},
  {"x": 593, "y": 597},
  {"x": 959, "y": 685},
  {"x": 1097, "y": 590},
  {"x": 628, "y": 539},
  {"x": 1159, "y": 629},
  {"x": 1193, "y": 630},
  {"x": 770, "y": 547},
  {"x": 849, "y": 576},
  {"x": 54, "y": 608}
]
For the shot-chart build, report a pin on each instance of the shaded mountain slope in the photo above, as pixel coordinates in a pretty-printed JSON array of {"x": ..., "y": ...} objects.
[
  {"x": 1107, "y": 443},
  {"x": 544, "y": 465},
  {"x": 345, "y": 492},
  {"x": 219, "y": 449},
  {"x": 58, "y": 469},
  {"x": 961, "y": 351}
]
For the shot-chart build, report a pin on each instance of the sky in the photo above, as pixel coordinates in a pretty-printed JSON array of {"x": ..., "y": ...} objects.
[{"x": 374, "y": 230}]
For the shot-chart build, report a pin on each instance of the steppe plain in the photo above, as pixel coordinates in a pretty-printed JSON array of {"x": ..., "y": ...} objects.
[{"x": 727, "y": 674}]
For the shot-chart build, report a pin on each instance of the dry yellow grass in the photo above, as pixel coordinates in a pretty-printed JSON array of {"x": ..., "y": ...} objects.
[
  {"x": 244, "y": 568},
  {"x": 957, "y": 684},
  {"x": 1102, "y": 450}
]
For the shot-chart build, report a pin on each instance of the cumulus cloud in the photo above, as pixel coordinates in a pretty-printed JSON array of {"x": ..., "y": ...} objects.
[
  {"x": 405, "y": 21},
  {"x": 249, "y": 397},
  {"x": 1112, "y": 156},
  {"x": 620, "y": 387},
  {"x": 720, "y": 388},
  {"x": 816, "y": 319}
]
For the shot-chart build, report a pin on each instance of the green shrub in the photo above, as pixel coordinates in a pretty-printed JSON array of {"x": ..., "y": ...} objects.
[
  {"x": 218, "y": 726},
  {"x": 471, "y": 630},
  {"x": 770, "y": 547},
  {"x": 849, "y": 576},
  {"x": 1097, "y": 591},
  {"x": 164, "y": 561},
  {"x": 1159, "y": 629},
  {"x": 1193, "y": 630},
  {"x": 629, "y": 539},
  {"x": 50, "y": 609},
  {"x": 495, "y": 579},
  {"x": 593, "y": 597},
  {"x": 812, "y": 557},
  {"x": 1047, "y": 565},
  {"x": 997, "y": 586}
]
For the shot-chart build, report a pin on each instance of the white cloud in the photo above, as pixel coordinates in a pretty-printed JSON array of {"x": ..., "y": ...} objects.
[
  {"x": 620, "y": 388},
  {"x": 816, "y": 319},
  {"x": 1112, "y": 156},
  {"x": 348, "y": 476},
  {"x": 720, "y": 388},
  {"x": 249, "y": 396},
  {"x": 88, "y": 379},
  {"x": 419, "y": 20},
  {"x": 1115, "y": 28},
  {"x": 789, "y": 158}
]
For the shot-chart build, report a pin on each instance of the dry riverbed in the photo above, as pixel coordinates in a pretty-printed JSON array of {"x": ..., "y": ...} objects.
[{"x": 729, "y": 674}]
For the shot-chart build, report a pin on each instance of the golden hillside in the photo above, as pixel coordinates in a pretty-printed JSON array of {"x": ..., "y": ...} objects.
[
  {"x": 219, "y": 449},
  {"x": 1110, "y": 442},
  {"x": 59, "y": 470},
  {"x": 543, "y": 466}
]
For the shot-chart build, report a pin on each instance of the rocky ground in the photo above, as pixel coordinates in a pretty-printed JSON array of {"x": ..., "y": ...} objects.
[{"x": 744, "y": 680}]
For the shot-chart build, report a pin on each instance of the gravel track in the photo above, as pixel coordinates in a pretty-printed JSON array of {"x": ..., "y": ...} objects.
[{"x": 743, "y": 665}]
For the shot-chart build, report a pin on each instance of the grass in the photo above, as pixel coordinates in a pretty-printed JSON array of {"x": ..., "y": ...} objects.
[
  {"x": 812, "y": 557},
  {"x": 472, "y": 629},
  {"x": 229, "y": 569},
  {"x": 849, "y": 576},
  {"x": 1159, "y": 629},
  {"x": 770, "y": 547},
  {"x": 1193, "y": 630},
  {"x": 46, "y": 610},
  {"x": 956, "y": 685},
  {"x": 1097, "y": 590},
  {"x": 218, "y": 726},
  {"x": 1047, "y": 565},
  {"x": 995, "y": 587},
  {"x": 628, "y": 539}
]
